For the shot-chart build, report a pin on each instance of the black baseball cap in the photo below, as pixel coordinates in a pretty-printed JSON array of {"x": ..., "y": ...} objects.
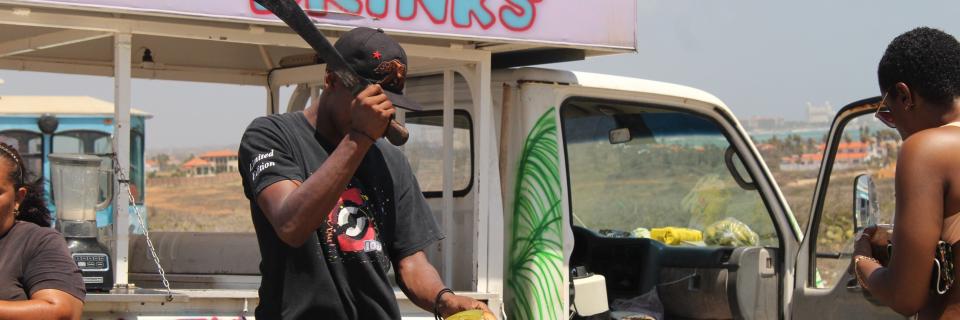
[{"x": 380, "y": 59}]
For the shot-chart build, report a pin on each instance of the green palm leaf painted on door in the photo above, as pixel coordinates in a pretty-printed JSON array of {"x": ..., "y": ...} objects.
[{"x": 536, "y": 246}]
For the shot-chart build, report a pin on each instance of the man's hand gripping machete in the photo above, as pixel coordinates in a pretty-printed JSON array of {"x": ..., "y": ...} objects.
[{"x": 293, "y": 16}]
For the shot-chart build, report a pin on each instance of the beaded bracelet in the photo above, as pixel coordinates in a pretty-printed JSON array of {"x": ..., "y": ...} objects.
[{"x": 856, "y": 271}]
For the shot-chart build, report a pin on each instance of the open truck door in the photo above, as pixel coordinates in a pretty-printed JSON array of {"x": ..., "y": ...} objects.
[{"x": 855, "y": 189}]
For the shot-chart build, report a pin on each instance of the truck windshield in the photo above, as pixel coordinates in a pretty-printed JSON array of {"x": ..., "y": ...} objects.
[
  {"x": 82, "y": 141},
  {"x": 634, "y": 168},
  {"x": 30, "y": 146}
]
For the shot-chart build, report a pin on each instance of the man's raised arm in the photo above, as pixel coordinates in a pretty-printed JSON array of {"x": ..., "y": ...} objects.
[{"x": 296, "y": 210}]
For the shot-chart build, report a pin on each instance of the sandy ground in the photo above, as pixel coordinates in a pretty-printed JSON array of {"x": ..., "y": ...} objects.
[{"x": 208, "y": 204}]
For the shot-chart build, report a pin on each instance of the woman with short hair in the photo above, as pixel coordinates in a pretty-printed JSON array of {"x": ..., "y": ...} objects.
[{"x": 919, "y": 77}]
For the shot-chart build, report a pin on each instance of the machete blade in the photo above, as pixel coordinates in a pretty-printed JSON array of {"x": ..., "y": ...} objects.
[{"x": 291, "y": 14}]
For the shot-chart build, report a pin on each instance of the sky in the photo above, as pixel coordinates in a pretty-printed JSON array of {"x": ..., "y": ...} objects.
[{"x": 762, "y": 58}]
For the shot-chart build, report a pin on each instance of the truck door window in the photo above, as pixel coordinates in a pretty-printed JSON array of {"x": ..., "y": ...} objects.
[
  {"x": 670, "y": 172},
  {"x": 866, "y": 147},
  {"x": 29, "y": 145},
  {"x": 424, "y": 150}
]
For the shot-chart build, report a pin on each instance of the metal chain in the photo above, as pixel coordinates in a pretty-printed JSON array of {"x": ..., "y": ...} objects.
[{"x": 122, "y": 179}]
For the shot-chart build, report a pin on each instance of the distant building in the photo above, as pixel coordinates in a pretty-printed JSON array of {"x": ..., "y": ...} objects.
[
  {"x": 820, "y": 114},
  {"x": 151, "y": 166},
  {"x": 803, "y": 162},
  {"x": 171, "y": 164},
  {"x": 766, "y": 147},
  {"x": 763, "y": 124},
  {"x": 198, "y": 167},
  {"x": 222, "y": 160},
  {"x": 852, "y": 152},
  {"x": 848, "y": 154}
]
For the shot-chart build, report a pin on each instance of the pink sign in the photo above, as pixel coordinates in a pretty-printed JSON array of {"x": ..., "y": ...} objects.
[{"x": 594, "y": 23}]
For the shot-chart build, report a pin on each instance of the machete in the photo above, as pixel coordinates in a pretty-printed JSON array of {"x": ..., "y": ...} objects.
[{"x": 291, "y": 14}]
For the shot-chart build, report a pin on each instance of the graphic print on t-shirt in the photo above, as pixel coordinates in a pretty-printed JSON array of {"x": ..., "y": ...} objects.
[{"x": 351, "y": 229}]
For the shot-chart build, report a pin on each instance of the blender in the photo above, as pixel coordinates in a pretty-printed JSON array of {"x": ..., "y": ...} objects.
[{"x": 75, "y": 179}]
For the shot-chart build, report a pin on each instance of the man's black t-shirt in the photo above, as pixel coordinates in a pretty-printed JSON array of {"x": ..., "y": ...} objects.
[{"x": 340, "y": 272}]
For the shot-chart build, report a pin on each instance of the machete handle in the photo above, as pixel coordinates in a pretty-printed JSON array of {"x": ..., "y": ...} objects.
[{"x": 396, "y": 133}]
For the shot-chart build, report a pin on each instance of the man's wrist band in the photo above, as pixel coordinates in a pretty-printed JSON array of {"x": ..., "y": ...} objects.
[
  {"x": 364, "y": 134},
  {"x": 436, "y": 303}
]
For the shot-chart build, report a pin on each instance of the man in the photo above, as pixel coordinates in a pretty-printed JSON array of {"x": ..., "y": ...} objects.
[{"x": 334, "y": 205}]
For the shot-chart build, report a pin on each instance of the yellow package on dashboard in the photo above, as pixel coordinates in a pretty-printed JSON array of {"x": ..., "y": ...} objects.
[{"x": 675, "y": 235}]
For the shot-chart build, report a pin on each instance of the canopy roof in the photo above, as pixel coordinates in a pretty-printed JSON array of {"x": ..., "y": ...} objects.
[
  {"x": 231, "y": 41},
  {"x": 59, "y": 105}
]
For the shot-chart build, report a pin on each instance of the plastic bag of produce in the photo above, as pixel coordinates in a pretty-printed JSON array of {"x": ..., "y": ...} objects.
[
  {"x": 641, "y": 233},
  {"x": 730, "y": 232}
]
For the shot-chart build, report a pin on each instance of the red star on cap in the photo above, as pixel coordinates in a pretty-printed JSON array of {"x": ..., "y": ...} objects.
[{"x": 376, "y": 55}]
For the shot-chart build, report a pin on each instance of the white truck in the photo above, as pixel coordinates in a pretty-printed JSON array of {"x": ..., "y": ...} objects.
[{"x": 531, "y": 172}]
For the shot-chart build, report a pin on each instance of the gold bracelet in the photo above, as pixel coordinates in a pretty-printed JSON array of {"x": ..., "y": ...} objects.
[{"x": 856, "y": 271}]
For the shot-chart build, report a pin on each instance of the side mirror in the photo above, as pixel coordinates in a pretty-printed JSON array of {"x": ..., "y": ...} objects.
[
  {"x": 865, "y": 204},
  {"x": 619, "y": 135}
]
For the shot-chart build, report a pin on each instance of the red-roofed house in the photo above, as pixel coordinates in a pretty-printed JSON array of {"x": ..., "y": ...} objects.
[
  {"x": 853, "y": 152},
  {"x": 222, "y": 160},
  {"x": 806, "y": 161},
  {"x": 850, "y": 153},
  {"x": 151, "y": 166},
  {"x": 766, "y": 147},
  {"x": 198, "y": 167}
]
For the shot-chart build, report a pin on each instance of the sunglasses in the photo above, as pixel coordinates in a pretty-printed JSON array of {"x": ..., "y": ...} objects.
[{"x": 883, "y": 113}]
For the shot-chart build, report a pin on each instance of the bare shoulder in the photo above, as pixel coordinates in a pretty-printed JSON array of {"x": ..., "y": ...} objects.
[{"x": 938, "y": 147}]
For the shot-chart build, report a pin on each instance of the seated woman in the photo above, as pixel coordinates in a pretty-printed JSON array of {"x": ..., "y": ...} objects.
[
  {"x": 919, "y": 77},
  {"x": 38, "y": 277}
]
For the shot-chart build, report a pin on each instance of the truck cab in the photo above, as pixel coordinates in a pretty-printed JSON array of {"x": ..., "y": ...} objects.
[
  {"x": 41, "y": 125},
  {"x": 589, "y": 160},
  {"x": 590, "y": 165}
]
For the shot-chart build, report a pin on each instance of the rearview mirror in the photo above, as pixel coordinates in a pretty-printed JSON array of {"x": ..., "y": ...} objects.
[
  {"x": 865, "y": 204},
  {"x": 620, "y": 135}
]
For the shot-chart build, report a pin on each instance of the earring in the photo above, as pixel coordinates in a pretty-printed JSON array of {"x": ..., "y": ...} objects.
[{"x": 16, "y": 212}]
